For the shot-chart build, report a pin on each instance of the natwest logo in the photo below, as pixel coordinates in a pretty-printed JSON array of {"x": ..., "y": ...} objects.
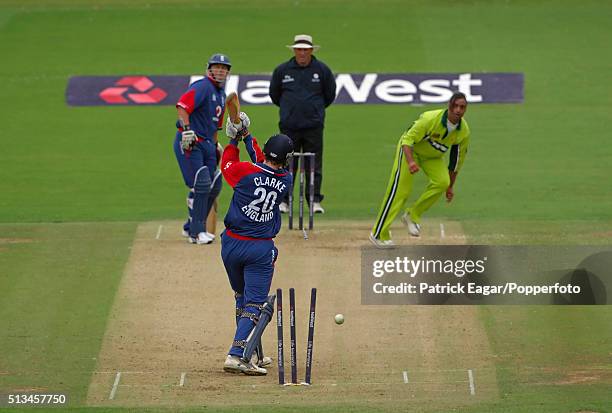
[
  {"x": 398, "y": 88},
  {"x": 351, "y": 88},
  {"x": 148, "y": 94},
  {"x": 375, "y": 88}
]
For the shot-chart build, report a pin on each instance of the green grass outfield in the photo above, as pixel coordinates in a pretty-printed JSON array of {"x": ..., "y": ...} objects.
[
  {"x": 544, "y": 159},
  {"x": 75, "y": 182}
]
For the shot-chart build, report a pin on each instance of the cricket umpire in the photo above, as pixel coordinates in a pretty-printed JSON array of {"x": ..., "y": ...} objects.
[
  {"x": 423, "y": 146},
  {"x": 303, "y": 87}
]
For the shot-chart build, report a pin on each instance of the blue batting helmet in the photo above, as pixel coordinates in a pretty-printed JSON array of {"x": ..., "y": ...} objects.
[
  {"x": 219, "y": 59},
  {"x": 278, "y": 148}
]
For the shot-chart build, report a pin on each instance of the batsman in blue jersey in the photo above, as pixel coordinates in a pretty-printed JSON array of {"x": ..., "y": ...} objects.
[
  {"x": 247, "y": 245},
  {"x": 200, "y": 115}
]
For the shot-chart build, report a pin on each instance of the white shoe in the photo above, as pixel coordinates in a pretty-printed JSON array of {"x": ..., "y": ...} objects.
[
  {"x": 235, "y": 365},
  {"x": 413, "y": 228},
  {"x": 261, "y": 363},
  {"x": 283, "y": 208},
  {"x": 203, "y": 238},
  {"x": 382, "y": 244},
  {"x": 317, "y": 208},
  {"x": 185, "y": 234}
]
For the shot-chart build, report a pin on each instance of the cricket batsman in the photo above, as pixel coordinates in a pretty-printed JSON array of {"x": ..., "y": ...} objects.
[
  {"x": 200, "y": 113},
  {"x": 247, "y": 246},
  {"x": 422, "y": 147}
]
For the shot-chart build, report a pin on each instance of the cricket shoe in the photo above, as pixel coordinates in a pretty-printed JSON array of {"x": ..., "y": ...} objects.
[
  {"x": 413, "y": 228},
  {"x": 235, "y": 365},
  {"x": 283, "y": 207},
  {"x": 382, "y": 244},
  {"x": 186, "y": 226},
  {"x": 203, "y": 238},
  {"x": 317, "y": 208},
  {"x": 261, "y": 363}
]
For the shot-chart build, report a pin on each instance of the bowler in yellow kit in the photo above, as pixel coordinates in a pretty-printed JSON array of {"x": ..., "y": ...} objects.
[{"x": 422, "y": 147}]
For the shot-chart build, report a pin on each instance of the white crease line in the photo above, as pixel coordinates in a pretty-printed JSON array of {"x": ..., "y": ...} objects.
[
  {"x": 159, "y": 230},
  {"x": 471, "y": 379},
  {"x": 115, "y": 385},
  {"x": 405, "y": 373},
  {"x": 442, "y": 234},
  {"x": 182, "y": 382}
]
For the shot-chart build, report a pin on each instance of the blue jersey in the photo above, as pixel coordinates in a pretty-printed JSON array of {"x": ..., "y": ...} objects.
[
  {"x": 205, "y": 103},
  {"x": 258, "y": 190}
]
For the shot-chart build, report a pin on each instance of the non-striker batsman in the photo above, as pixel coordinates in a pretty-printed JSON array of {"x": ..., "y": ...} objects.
[{"x": 200, "y": 113}]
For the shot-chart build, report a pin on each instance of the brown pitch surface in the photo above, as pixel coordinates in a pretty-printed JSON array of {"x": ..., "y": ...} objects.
[{"x": 174, "y": 315}]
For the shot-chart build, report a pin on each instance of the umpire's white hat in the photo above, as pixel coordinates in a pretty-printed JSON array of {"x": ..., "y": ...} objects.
[{"x": 303, "y": 41}]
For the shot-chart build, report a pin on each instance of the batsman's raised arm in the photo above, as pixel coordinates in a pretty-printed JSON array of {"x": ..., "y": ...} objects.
[
  {"x": 253, "y": 149},
  {"x": 230, "y": 163}
]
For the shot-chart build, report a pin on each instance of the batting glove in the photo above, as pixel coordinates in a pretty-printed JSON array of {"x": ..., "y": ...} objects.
[
  {"x": 188, "y": 139},
  {"x": 245, "y": 122},
  {"x": 230, "y": 129},
  {"x": 243, "y": 128}
]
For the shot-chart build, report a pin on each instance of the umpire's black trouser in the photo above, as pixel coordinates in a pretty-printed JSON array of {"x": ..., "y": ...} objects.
[{"x": 308, "y": 140}]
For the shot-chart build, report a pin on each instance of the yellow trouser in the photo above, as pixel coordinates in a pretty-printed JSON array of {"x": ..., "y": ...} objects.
[{"x": 400, "y": 187}]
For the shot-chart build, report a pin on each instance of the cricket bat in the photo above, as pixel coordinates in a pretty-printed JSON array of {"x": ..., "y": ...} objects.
[
  {"x": 211, "y": 220},
  {"x": 233, "y": 107}
]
